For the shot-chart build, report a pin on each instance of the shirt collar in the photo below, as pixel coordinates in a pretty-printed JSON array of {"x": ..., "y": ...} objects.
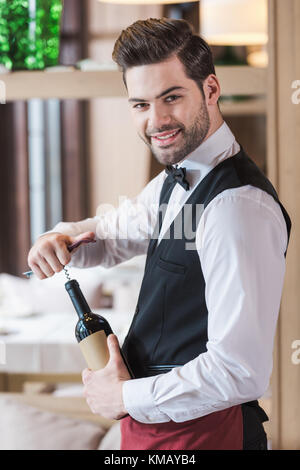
[{"x": 210, "y": 153}]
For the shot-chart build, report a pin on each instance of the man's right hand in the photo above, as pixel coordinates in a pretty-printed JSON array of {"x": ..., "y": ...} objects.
[{"x": 50, "y": 253}]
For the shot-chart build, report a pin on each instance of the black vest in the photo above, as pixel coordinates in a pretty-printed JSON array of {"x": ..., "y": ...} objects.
[{"x": 169, "y": 327}]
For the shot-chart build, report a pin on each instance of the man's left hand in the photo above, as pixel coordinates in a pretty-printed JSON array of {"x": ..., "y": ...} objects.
[{"x": 103, "y": 388}]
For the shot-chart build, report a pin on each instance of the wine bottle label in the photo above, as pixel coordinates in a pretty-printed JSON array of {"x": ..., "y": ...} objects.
[{"x": 95, "y": 351}]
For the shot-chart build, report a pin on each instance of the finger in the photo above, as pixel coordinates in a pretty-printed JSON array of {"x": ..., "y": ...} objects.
[
  {"x": 57, "y": 254},
  {"x": 113, "y": 347},
  {"x": 76, "y": 242},
  {"x": 63, "y": 255},
  {"x": 55, "y": 263},
  {"x": 35, "y": 268},
  {"x": 84, "y": 236},
  {"x": 45, "y": 267}
]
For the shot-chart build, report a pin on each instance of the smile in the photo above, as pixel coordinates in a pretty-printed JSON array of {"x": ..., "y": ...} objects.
[{"x": 166, "y": 139}]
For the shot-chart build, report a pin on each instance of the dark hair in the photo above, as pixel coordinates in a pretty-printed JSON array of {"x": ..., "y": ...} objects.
[{"x": 155, "y": 40}]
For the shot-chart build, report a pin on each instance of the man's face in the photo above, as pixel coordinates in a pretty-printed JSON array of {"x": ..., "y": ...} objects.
[{"x": 168, "y": 109}]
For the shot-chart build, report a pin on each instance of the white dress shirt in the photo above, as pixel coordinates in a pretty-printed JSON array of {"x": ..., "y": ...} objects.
[{"x": 241, "y": 240}]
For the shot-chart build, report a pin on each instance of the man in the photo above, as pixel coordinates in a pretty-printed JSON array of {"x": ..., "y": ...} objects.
[{"x": 200, "y": 344}]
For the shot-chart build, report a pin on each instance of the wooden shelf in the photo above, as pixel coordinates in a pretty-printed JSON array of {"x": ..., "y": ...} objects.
[
  {"x": 62, "y": 85},
  {"x": 240, "y": 80},
  {"x": 246, "y": 108}
]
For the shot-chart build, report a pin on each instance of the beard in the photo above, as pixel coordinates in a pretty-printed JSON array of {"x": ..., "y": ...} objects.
[{"x": 191, "y": 138}]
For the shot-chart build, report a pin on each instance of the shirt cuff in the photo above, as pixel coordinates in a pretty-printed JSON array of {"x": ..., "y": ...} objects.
[{"x": 139, "y": 402}]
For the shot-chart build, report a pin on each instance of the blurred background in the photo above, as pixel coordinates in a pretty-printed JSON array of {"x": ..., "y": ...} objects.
[{"x": 66, "y": 136}]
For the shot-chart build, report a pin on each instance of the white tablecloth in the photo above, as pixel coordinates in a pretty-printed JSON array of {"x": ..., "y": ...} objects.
[{"x": 46, "y": 343}]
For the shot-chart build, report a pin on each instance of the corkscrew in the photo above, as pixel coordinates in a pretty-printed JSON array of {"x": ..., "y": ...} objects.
[
  {"x": 70, "y": 248},
  {"x": 66, "y": 270}
]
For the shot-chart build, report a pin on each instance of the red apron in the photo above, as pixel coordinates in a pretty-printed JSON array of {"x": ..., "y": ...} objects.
[{"x": 221, "y": 430}]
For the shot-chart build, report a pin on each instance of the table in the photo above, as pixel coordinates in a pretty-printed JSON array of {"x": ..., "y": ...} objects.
[{"x": 43, "y": 347}]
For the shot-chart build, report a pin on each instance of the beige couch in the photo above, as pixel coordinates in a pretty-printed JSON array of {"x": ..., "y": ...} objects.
[{"x": 47, "y": 422}]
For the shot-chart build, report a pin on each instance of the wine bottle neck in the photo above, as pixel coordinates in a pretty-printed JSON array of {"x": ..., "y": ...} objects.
[{"x": 80, "y": 304}]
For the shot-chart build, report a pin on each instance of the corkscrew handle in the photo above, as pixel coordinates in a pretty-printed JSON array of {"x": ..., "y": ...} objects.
[{"x": 79, "y": 242}]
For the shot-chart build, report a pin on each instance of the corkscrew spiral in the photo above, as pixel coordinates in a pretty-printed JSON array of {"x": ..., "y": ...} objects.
[{"x": 67, "y": 273}]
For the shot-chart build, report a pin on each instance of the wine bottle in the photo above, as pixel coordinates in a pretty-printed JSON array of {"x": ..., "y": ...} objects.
[{"x": 91, "y": 330}]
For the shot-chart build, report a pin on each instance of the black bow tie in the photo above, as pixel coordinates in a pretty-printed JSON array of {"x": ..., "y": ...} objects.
[{"x": 178, "y": 175}]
